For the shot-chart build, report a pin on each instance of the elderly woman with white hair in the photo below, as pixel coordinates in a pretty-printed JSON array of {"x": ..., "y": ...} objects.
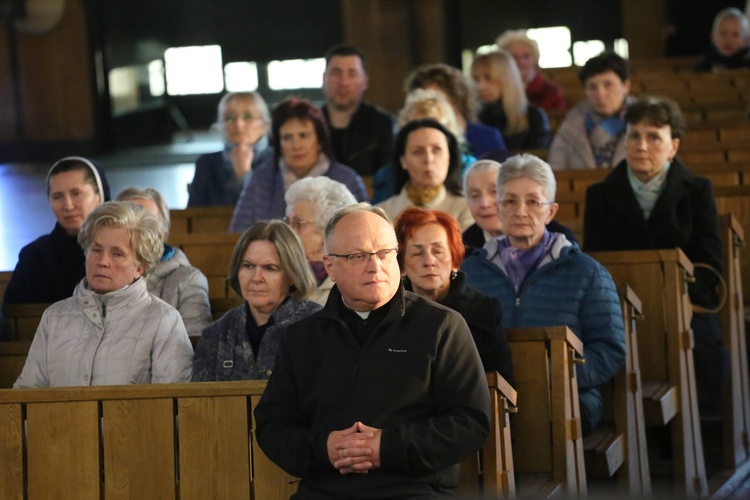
[
  {"x": 112, "y": 331},
  {"x": 244, "y": 120},
  {"x": 542, "y": 279},
  {"x": 310, "y": 202},
  {"x": 539, "y": 90},
  {"x": 480, "y": 189},
  {"x": 174, "y": 280}
]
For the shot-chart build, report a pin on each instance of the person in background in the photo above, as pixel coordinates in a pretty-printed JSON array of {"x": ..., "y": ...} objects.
[
  {"x": 382, "y": 393},
  {"x": 730, "y": 40},
  {"x": 301, "y": 148},
  {"x": 542, "y": 279},
  {"x": 652, "y": 201},
  {"x": 112, "y": 331},
  {"x": 504, "y": 102},
  {"x": 539, "y": 90},
  {"x": 430, "y": 172},
  {"x": 244, "y": 120},
  {"x": 50, "y": 267},
  {"x": 429, "y": 255},
  {"x": 269, "y": 271},
  {"x": 174, "y": 280},
  {"x": 309, "y": 204},
  {"x": 462, "y": 96},
  {"x": 480, "y": 189},
  {"x": 361, "y": 133},
  {"x": 421, "y": 104},
  {"x": 593, "y": 132}
]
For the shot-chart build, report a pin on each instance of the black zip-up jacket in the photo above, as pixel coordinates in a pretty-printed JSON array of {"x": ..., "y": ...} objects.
[{"x": 417, "y": 376}]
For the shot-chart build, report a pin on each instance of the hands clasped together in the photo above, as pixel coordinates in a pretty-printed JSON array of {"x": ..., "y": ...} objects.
[{"x": 356, "y": 449}]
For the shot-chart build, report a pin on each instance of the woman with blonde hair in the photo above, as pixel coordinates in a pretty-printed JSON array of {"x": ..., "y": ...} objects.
[{"x": 504, "y": 102}]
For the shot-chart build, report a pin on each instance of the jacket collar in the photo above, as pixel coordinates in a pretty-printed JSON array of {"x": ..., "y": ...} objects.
[{"x": 396, "y": 306}]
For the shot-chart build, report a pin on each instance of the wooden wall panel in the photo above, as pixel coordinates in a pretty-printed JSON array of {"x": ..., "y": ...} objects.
[
  {"x": 7, "y": 100},
  {"x": 55, "y": 74}
]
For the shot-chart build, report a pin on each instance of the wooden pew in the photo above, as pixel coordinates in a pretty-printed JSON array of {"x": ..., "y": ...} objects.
[
  {"x": 665, "y": 340},
  {"x": 22, "y": 320},
  {"x": 621, "y": 438},
  {"x": 737, "y": 405},
  {"x": 201, "y": 219},
  {"x": 548, "y": 446},
  {"x": 492, "y": 476},
  {"x": 735, "y": 200},
  {"x": 166, "y": 441},
  {"x": 211, "y": 253},
  {"x": 12, "y": 359}
]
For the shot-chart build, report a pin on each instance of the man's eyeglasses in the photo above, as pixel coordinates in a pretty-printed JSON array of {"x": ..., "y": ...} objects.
[
  {"x": 296, "y": 223},
  {"x": 247, "y": 116},
  {"x": 357, "y": 259},
  {"x": 532, "y": 204}
]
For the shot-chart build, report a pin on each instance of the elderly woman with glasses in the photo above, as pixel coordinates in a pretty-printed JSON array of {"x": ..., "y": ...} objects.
[
  {"x": 542, "y": 279},
  {"x": 269, "y": 271},
  {"x": 309, "y": 204},
  {"x": 430, "y": 252}
]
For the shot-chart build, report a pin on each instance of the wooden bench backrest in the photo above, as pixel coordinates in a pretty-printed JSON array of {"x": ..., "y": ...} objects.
[
  {"x": 665, "y": 341},
  {"x": 22, "y": 320},
  {"x": 201, "y": 220},
  {"x": 547, "y": 430},
  {"x": 187, "y": 441},
  {"x": 12, "y": 358}
]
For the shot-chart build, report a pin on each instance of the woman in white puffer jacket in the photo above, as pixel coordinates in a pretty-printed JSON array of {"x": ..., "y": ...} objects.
[{"x": 112, "y": 330}]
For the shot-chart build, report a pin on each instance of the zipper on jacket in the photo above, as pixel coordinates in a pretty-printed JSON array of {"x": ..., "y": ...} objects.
[{"x": 104, "y": 310}]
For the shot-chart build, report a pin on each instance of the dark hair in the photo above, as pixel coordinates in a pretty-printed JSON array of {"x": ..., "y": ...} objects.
[
  {"x": 451, "y": 81},
  {"x": 304, "y": 110},
  {"x": 345, "y": 50},
  {"x": 606, "y": 61},
  {"x": 413, "y": 218},
  {"x": 453, "y": 180},
  {"x": 657, "y": 111}
]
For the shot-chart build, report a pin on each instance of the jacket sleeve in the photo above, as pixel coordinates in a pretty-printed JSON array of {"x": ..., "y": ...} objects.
[
  {"x": 595, "y": 224},
  {"x": 24, "y": 281},
  {"x": 496, "y": 355},
  {"x": 244, "y": 211},
  {"x": 603, "y": 332},
  {"x": 539, "y": 131},
  {"x": 172, "y": 353},
  {"x": 204, "y": 360},
  {"x": 461, "y": 410},
  {"x": 282, "y": 431},
  {"x": 193, "y": 304},
  {"x": 705, "y": 244},
  {"x": 357, "y": 187},
  {"x": 198, "y": 189},
  {"x": 35, "y": 372}
]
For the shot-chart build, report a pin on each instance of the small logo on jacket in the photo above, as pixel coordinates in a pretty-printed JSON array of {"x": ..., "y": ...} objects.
[{"x": 396, "y": 350}]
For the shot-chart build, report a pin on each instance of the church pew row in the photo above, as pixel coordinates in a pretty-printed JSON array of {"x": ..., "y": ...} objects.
[
  {"x": 125, "y": 442},
  {"x": 665, "y": 344}
]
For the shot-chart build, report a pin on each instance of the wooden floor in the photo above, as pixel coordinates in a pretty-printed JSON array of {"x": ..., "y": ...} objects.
[{"x": 24, "y": 209}]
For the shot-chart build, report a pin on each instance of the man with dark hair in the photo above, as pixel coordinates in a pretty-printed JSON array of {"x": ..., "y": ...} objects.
[
  {"x": 381, "y": 393},
  {"x": 593, "y": 132},
  {"x": 361, "y": 133}
]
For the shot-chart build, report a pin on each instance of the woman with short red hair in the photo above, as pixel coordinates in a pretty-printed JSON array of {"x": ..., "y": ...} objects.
[{"x": 430, "y": 251}]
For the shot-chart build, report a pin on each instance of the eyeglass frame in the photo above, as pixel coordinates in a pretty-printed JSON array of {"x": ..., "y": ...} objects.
[
  {"x": 531, "y": 205},
  {"x": 245, "y": 116},
  {"x": 299, "y": 224},
  {"x": 370, "y": 255}
]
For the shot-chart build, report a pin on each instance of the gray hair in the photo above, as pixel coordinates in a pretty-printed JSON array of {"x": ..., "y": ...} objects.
[
  {"x": 480, "y": 166},
  {"x": 526, "y": 166},
  {"x": 291, "y": 256},
  {"x": 144, "y": 230},
  {"x": 731, "y": 12},
  {"x": 352, "y": 209},
  {"x": 326, "y": 195},
  {"x": 509, "y": 37},
  {"x": 136, "y": 193},
  {"x": 252, "y": 97},
  {"x": 431, "y": 104}
]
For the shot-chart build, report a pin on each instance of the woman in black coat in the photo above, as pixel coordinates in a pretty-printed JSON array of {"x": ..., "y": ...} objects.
[
  {"x": 651, "y": 201},
  {"x": 430, "y": 252}
]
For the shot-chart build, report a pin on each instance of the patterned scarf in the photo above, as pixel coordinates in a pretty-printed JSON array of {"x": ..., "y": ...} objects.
[
  {"x": 421, "y": 197},
  {"x": 289, "y": 176},
  {"x": 604, "y": 135},
  {"x": 520, "y": 263}
]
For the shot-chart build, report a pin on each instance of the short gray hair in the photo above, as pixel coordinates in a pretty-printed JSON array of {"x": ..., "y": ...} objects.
[
  {"x": 352, "y": 209},
  {"x": 480, "y": 166},
  {"x": 326, "y": 195},
  {"x": 144, "y": 230},
  {"x": 509, "y": 37},
  {"x": 526, "y": 166},
  {"x": 136, "y": 193},
  {"x": 430, "y": 103}
]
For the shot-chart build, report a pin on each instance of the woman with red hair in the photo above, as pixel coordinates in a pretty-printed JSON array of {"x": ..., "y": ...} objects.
[{"x": 430, "y": 251}]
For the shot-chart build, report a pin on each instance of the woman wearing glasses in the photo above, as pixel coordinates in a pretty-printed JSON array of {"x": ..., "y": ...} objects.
[
  {"x": 243, "y": 119},
  {"x": 542, "y": 279},
  {"x": 309, "y": 204},
  {"x": 430, "y": 252},
  {"x": 269, "y": 271}
]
